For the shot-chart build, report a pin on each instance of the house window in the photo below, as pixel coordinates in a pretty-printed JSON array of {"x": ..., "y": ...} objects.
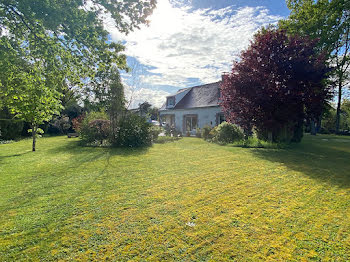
[
  {"x": 191, "y": 123},
  {"x": 171, "y": 101},
  {"x": 221, "y": 118}
]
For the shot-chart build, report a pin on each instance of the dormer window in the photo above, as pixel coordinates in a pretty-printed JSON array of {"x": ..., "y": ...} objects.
[{"x": 171, "y": 101}]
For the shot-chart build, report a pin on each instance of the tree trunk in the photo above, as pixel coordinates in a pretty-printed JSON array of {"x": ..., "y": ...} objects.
[
  {"x": 337, "y": 121},
  {"x": 34, "y": 137},
  {"x": 319, "y": 125},
  {"x": 269, "y": 136},
  {"x": 312, "y": 127}
]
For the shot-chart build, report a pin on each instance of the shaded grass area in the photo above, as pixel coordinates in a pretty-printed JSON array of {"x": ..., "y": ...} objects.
[{"x": 185, "y": 200}]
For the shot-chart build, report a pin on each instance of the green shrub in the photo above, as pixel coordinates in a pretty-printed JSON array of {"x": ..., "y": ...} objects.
[
  {"x": 100, "y": 128},
  {"x": 198, "y": 132},
  {"x": 10, "y": 128},
  {"x": 254, "y": 142},
  {"x": 61, "y": 123},
  {"x": 155, "y": 131},
  {"x": 206, "y": 132},
  {"x": 227, "y": 133},
  {"x": 94, "y": 128},
  {"x": 133, "y": 131}
]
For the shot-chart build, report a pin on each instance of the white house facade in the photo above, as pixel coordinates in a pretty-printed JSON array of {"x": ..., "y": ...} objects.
[{"x": 193, "y": 108}]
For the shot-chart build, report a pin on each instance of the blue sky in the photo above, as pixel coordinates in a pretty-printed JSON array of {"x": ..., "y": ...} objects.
[{"x": 190, "y": 42}]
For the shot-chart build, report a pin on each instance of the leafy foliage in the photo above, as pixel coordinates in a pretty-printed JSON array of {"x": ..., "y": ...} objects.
[
  {"x": 227, "y": 133},
  {"x": 133, "y": 131},
  {"x": 276, "y": 84},
  {"x": 100, "y": 128},
  {"x": 71, "y": 33},
  {"x": 93, "y": 128},
  {"x": 330, "y": 116},
  {"x": 46, "y": 47},
  {"x": 329, "y": 22},
  {"x": 10, "y": 128},
  {"x": 62, "y": 124},
  {"x": 206, "y": 132},
  {"x": 28, "y": 92},
  {"x": 155, "y": 131}
]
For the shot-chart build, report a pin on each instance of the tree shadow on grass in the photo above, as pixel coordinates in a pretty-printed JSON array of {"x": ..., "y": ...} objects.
[
  {"x": 77, "y": 149},
  {"x": 14, "y": 155},
  {"x": 64, "y": 209},
  {"x": 320, "y": 158}
]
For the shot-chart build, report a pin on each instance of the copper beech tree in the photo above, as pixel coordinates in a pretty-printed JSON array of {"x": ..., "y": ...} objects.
[{"x": 277, "y": 84}]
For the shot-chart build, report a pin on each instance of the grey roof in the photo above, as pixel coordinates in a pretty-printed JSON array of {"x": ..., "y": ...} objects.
[
  {"x": 163, "y": 107},
  {"x": 200, "y": 96},
  {"x": 179, "y": 91},
  {"x": 197, "y": 96}
]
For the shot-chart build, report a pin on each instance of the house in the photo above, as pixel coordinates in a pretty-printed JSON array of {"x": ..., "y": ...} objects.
[{"x": 193, "y": 107}]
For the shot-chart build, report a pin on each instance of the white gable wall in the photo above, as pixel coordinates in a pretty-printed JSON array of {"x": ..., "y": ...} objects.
[{"x": 206, "y": 116}]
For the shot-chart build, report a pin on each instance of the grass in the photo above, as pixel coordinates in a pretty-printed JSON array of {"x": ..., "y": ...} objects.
[
  {"x": 166, "y": 139},
  {"x": 186, "y": 201}
]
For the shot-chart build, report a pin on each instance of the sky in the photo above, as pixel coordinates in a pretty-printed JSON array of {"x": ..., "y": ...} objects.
[{"x": 190, "y": 42}]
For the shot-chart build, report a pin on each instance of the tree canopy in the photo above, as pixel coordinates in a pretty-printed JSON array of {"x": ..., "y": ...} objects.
[
  {"x": 48, "y": 46},
  {"x": 70, "y": 34},
  {"x": 275, "y": 85},
  {"x": 329, "y": 22}
]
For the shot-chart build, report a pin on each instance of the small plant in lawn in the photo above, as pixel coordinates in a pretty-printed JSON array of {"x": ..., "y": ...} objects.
[
  {"x": 198, "y": 132},
  {"x": 155, "y": 131},
  {"x": 206, "y": 132}
]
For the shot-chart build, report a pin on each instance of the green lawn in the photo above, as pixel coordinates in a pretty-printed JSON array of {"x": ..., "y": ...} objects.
[{"x": 186, "y": 201}]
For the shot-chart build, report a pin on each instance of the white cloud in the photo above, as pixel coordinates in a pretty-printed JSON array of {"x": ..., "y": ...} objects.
[
  {"x": 138, "y": 96},
  {"x": 180, "y": 43}
]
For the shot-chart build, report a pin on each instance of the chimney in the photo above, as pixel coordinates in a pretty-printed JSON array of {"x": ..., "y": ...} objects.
[{"x": 224, "y": 76}]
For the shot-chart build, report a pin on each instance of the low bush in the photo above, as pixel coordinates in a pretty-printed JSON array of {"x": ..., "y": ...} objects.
[
  {"x": 133, "y": 131},
  {"x": 198, "y": 132},
  {"x": 94, "y": 128},
  {"x": 100, "y": 128},
  {"x": 155, "y": 131},
  {"x": 206, "y": 132},
  {"x": 60, "y": 125},
  {"x": 227, "y": 133},
  {"x": 77, "y": 123},
  {"x": 254, "y": 142}
]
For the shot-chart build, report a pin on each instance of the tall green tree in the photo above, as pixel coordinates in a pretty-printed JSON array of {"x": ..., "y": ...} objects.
[
  {"x": 328, "y": 21},
  {"x": 73, "y": 25},
  {"x": 47, "y": 46},
  {"x": 29, "y": 97}
]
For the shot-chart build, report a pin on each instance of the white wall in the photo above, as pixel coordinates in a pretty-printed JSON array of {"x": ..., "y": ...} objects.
[{"x": 206, "y": 116}]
